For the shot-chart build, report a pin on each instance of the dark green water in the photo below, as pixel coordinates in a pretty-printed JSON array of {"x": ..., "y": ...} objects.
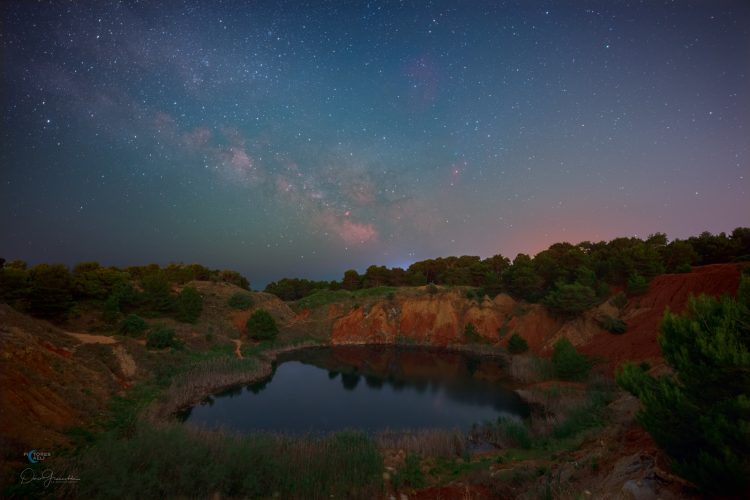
[{"x": 368, "y": 388}]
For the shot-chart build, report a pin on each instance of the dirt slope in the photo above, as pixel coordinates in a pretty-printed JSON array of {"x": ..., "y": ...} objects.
[
  {"x": 50, "y": 381},
  {"x": 439, "y": 319},
  {"x": 644, "y": 314}
]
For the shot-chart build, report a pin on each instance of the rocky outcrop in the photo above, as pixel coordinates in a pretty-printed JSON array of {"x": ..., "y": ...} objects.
[{"x": 440, "y": 319}]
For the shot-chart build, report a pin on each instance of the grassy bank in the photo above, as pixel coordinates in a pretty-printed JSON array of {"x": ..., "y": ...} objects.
[
  {"x": 139, "y": 451},
  {"x": 178, "y": 461}
]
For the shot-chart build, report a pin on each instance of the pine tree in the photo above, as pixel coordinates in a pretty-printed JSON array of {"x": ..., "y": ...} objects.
[{"x": 700, "y": 415}]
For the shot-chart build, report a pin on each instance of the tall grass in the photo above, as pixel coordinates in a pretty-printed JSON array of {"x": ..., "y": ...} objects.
[
  {"x": 504, "y": 433},
  {"x": 425, "y": 442},
  {"x": 177, "y": 461}
]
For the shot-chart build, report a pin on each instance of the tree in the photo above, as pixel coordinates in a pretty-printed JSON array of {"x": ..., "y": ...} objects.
[
  {"x": 92, "y": 281},
  {"x": 700, "y": 415},
  {"x": 239, "y": 300},
  {"x": 517, "y": 344},
  {"x": 637, "y": 284},
  {"x": 15, "y": 283},
  {"x": 234, "y": 278},
  {"x": 132, "y": 325},
  {"x": 161, "y": 337},
  {"x": 741, "y": 241},
  {"x": 521, "y": 279},
  {"x": 472, "y": 336},
  {"x": 679, "y": 256},
  {"x": 569, "y": 364},
  {"x": 50, "y": 295},
  {"x": 261, "y": 326},
  {"x": 157, "y": 292},
  {"x": 570, "y": 300},
  {"x": 352, "y": 280},
  {"x": 188, "y": 305}
]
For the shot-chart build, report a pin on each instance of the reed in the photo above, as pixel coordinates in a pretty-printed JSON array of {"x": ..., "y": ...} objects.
[{"x": 424, "y": 442}]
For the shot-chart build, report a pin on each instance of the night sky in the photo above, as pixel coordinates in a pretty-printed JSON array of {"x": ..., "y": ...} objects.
[{"x": 305, "y": 138}]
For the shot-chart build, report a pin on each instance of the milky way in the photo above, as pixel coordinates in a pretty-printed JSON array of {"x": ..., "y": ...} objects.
[{"x": 303, "y": 139}]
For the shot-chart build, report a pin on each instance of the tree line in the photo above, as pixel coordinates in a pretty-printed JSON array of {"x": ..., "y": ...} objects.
[
  {"x": 52, "y": 290},
  {"x": 565, "y": 277}
]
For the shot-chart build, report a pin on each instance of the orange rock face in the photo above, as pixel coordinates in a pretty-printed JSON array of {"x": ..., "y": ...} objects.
[{"x": 440, "y": 320}]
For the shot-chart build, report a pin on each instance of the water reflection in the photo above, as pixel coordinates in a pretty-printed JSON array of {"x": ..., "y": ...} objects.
[{"x": 403, "y": 388}]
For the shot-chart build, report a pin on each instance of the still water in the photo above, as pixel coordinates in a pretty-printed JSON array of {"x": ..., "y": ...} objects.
[{"x": 370, "y": 388}]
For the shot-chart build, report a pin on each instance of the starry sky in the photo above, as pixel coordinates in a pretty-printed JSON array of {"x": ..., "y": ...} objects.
[{"x": 291, "y": 138}]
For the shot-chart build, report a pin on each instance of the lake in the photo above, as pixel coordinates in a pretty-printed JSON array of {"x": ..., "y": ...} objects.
[{"x": 369, "y": 388}]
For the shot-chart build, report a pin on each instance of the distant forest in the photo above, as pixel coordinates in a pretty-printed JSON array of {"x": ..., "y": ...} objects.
[
  {"x": 584, "y": 271},
  {"x": 53, "y": 291},
  {"x": 566, "y": 278}
]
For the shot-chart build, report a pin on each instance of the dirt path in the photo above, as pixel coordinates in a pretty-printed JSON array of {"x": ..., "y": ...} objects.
[
  {"x": 92, "y": 339},
  {"x": 237, "y": 348}
]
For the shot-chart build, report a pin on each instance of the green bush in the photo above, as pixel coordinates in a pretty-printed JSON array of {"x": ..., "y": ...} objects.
[
  {"x": 132, "y": 325},
  {"x": 637, "y": 284},
  {"x": 619, "y": 301},
  {"x": 50, "y": 294},
  {"x": 111, "y": 311},
  {"x": 239, "y": 300},
  {"x": 432, "y": 289},
  {"x": 156, "y": 292},
  {"x": 570, "y": 299},
  {"x": 161, "y": 337},
  {"x": 700, "y": 415},
  {"x": 472, "y": 336},
  {"x": 503, "y": 330},
  {"x": 261, "y": 326},
  {"x": 410, "y": 474},
  {"x": 188, "y": 305},
  {"x": 517, "y": 344},
  {"x": 569, "y": 364},
  {"x": 515, "y": 432},
  {"x": 613, "y": 325}
]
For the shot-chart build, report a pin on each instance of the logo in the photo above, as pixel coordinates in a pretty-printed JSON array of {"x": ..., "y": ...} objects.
[{"x": 36, "y": 456}]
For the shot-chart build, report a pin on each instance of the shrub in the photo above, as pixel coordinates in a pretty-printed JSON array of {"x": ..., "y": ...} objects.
[
  {"x": 683, "y": 268},
  {"x": 410, "y": 474},
  {"x": 570, "y": 299},
  {"x": 432, "y": 289},
  {"x": 569, "y": 364},
  {"x": 502, "y": 331},
  {"x": 50, "y": 294},
  {"x": 637, "y": 284},
  {"x": 157, "y": 292},
  {"x": 700, "y": 415},
  {"x": 111, "y": 312},
  {"x": 261, "y": 326},
  {"x": 239, "y": 300},
  {"x": 161, "y": 337},
  {"x": 188, "y": 305},
  {"x": 133, "y": 325},
  {"x": 472, "y": 336},
  {"x": 517, "y": 344},
  {"x": 620, "y": 300},
  {"x": 503, "y": 433},
  {"x": 613, "y": 325}
]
